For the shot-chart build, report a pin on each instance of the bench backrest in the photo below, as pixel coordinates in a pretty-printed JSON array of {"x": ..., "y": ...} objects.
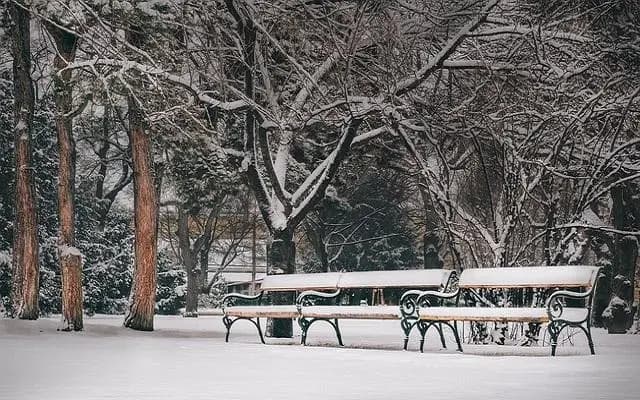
[
  {"x": 291, "y": 282},
  {"x": 421, "y": 278},
  {"x": 415, "y": 278},
  {"x": 529, "y": 277}
]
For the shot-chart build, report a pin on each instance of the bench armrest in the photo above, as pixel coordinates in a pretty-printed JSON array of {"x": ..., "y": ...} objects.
[
  {"x": 308, "y": 297},
  {"x": 555, "y": 308},
  {"x": 423, "y": 299},
  {"x": 232, "y": 299},
  {"x": 409, "y": 303}
]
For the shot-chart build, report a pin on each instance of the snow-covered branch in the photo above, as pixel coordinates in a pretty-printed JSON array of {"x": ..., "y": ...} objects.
[{"x": 449, "y": 48}]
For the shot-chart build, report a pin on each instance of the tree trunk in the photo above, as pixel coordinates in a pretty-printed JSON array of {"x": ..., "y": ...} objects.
[
  {"x": 282, "y": 256},
  {"x": 70, "y": 258},
  {"x": 204, "y": 266},
  {"x": 188, "y": 259},
  {"x": 430, "y": 241},
  {"x": 26, "y": 279},
  {"x": 142, "y": 299},
  {"x": 252, "y": 289},
  {"x": 432, "y": 248},
  {"x": 145, "y": 204},
  {"x": 618, "y": 315},
  {"x": 316, "y": 235}
]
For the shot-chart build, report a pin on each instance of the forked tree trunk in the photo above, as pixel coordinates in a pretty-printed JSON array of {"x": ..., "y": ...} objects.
[
  {"x": 142, "y": 299},
  {"x": 26, "y": 279},
  {"x": 70, "y": 258},
  {"x": 282, "y": 257}
]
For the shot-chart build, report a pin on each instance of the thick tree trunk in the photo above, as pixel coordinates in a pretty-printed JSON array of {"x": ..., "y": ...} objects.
[
  {"x": 26, "y": 279},
  {"x": 145, "y": 200},
  {"x": 282, "y": 257},
  {"x": 70, "y": 258},
  {"x": 142, "y": 300}
]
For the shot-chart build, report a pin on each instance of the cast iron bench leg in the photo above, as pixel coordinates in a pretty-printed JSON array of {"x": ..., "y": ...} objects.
[
  {"x": 259, "y": 330},
  {"x": 338, "y": 334},
  {"x": 439, "y": 328},
  {"x": 304, "y": 326},
  {"x": 456, "y": 335},
  {"x": 227, "y": 324},
  {"x": 406, "y": 326}
]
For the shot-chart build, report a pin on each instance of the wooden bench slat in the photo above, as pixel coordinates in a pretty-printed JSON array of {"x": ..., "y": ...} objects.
[
  {"x": 529, "y": 277},
  {"x": 497, "y": 314},
  {"x": 352, "y": 312},
  {"x": 291, "y": 282},
  {"x": 262, "y": 311},
  {"x": 424, "y": 278}
]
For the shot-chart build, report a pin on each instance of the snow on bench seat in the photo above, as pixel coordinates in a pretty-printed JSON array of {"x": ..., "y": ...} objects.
[
  {"x": 497, "y": 314},
  {"x": 352, "y": 312},
  {"x": 292, "y": 282},
  {"x": 529, "y": 277},
  {"x": 413, "y": 278},
  {"x": 286, "y": 311}
]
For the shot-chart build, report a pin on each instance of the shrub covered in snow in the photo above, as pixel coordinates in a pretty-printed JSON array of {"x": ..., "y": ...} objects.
[{"x": 172, "y": 286}]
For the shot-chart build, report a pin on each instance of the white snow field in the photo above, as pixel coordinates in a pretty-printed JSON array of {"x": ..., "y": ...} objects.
[{"x": 188, "y": 359}]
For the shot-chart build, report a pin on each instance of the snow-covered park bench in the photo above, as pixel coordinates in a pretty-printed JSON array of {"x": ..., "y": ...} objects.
[
  {"x": 568, "y": 291},
  {"x": 321, "y": 298}
]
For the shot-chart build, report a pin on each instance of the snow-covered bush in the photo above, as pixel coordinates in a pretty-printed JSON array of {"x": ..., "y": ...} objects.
[
  {"x": 107, "y": 262},
  {"x": 172, "y": 286},
  {"x": 5, "y": 280},
  {"x": 214, "y": 298}
]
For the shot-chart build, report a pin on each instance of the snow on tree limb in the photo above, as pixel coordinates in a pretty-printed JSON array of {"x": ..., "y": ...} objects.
[
  {"x": 278, "y": 186},
  {"x": 521, "y": 30},
  {"x": 127, "y": 65},
  {"x": 333, "y": 162},
  {"x": 317, "y": 172},
  {"x": 448, "y": 49}
]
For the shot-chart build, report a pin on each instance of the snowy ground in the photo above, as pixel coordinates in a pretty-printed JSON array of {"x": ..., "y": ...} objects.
[{"x": 188, "y": 359}]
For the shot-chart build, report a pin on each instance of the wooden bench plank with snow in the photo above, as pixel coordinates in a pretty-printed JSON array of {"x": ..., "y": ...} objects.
[
  {"x": 320, "y": 298},
  {"x": 550, "y": 283}
]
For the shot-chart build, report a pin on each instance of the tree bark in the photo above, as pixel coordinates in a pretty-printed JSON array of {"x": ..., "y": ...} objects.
[
  {"x": 70, "y": 259},
  {"x": 282, "y": 260},
  {"x": 145, "y": 203},
  {"x": 431, "y": 245},
  {"x": 26, "y": 279},
  {"x": 316, "y": 234},
  {"x": 204, "y": 266},
  {"x": 188, "y": 259},
  {"x": 625, "y": 211}
]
